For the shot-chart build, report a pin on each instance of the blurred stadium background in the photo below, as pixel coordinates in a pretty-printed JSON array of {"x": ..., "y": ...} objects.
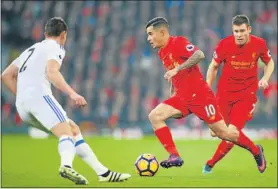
[{"x": 109, "y": 61}]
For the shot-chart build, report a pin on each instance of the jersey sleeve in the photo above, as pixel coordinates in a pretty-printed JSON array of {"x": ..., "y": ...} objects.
[
  {"x": 57, "y": 53},
  {"x": 265, "y": 53},
  {"x": 185, "y": 48},
  {"x": 218, "y": 54}
]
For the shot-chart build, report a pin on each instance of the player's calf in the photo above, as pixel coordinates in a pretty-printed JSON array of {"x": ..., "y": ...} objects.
[
  {"x": 66, "y": 143},
  {"x": 223, "y": 132},
  {"x": 157, "y": 118},
  {"x": 84, "y": 151}
]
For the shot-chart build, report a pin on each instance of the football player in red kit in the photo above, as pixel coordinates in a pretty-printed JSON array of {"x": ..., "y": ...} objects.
[
  {"x": 192, "y": 93},
  {"x": 238, "y": 83}
]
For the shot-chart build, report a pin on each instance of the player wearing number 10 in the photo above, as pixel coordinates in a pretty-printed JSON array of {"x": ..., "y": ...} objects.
[
  {"x": 29, "y": 77},
  {"x": 191, "y": 92}
]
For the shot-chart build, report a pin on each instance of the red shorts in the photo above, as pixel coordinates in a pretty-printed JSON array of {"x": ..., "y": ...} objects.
[
  {"x": 237, "y": 112},
  {"x": 202, "y": 104}
]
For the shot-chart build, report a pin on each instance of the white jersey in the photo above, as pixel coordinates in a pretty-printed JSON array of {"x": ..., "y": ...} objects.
[
  {"x": 34, "y": 100},
  {"x": 32, "y": 64}
]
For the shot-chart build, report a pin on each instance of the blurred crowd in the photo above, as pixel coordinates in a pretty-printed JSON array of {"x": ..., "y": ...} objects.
[{"x": 109, "y": 61}]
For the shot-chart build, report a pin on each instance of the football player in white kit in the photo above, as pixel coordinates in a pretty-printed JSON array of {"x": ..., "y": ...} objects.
[{"x": 29, "y": 77}]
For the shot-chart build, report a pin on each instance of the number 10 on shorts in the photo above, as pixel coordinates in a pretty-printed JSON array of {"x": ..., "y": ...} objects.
[{"x": 210, "y": 110}]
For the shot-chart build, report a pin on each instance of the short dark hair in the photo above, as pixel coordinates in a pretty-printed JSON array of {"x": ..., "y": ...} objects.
[
  {"x": 157, "y": 21},
  {"x": 55, "y": 26},
  {"x": 241, "y": 19}
]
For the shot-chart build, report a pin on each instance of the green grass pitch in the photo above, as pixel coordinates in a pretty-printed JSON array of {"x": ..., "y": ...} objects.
[{"x": 30, "y": 162}]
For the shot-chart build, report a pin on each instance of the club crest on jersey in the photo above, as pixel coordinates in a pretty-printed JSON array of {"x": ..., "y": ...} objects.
[
  {"x": 189, "y": 47},
  {"x": 253, "y": 55}
]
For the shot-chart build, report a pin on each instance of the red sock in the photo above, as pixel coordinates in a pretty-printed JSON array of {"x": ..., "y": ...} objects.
[
  {"x": 223, "y": 148},
  {"x": 244, "y": 142},
  {"x": 165, "y": 137}
]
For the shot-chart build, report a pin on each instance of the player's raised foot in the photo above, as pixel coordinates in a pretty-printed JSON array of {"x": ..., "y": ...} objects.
[
  {"x": 69, "y": 173},
  {"x": 172, "y": 161},
  {"x": 207, "y": 169},
  {"x": 112, "y": 176},
  {"x": 260, "y": 160}
]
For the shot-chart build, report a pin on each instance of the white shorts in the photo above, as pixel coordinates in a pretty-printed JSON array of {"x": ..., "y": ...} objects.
[{"x": 40, "y": 110}]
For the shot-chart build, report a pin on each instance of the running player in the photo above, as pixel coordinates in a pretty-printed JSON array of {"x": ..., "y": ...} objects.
[
  {"x": 192, "y": 93},
  {"x": 238, "y": 83}
]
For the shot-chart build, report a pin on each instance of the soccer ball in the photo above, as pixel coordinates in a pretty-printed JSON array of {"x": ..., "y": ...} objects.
[{"x": 146, "y": 165}]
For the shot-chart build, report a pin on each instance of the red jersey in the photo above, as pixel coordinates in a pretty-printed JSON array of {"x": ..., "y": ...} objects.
[
  {"x": 240, "y": 70},
  {"x": 176, "y": 52}
]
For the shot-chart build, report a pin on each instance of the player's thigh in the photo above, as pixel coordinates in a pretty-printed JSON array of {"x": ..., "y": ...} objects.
[
  {"x": 177, "y": 107},
  {"x": 241, "y": 112},
  {"x": 48, "y": 111},
  {"x": 37, "y": 124},
  {"x": 23, "y": 111},
  {"x": 166, "y": 109},
  {"x": 206, "y": 108}
]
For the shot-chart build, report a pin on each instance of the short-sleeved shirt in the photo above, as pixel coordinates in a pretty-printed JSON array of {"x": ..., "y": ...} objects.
[
  {"x": 176, "y": 52},
  {"x": 32, "y": 64},
  {"x": 240, "y": 69}
]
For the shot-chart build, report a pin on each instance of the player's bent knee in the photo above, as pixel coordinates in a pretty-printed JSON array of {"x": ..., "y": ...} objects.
[
  {"x": 156, "y": 116},
  {"x": 62, "y": 129},
  {"x": 74, "y": 128},
  {"x": 233, "y": 132},
  {"x": 224, "y": 135},
  {"x": 212, "y": 133},
  {"x": 220, "y": 130}
]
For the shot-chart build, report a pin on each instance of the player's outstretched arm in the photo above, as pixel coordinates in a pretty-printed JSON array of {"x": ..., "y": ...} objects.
[
  {"x": 57, "y": 79},
  {"x": 268, "y": 70},
  {"x": 9, "y": 77},
  {"x": 195, "y": 58},
  {"x": 212, "y": 72}
]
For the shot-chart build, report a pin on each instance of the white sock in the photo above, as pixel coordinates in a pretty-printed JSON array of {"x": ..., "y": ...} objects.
[
  {"x": 66, "y": 150},
  {"x": 84, "y": 151}
]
